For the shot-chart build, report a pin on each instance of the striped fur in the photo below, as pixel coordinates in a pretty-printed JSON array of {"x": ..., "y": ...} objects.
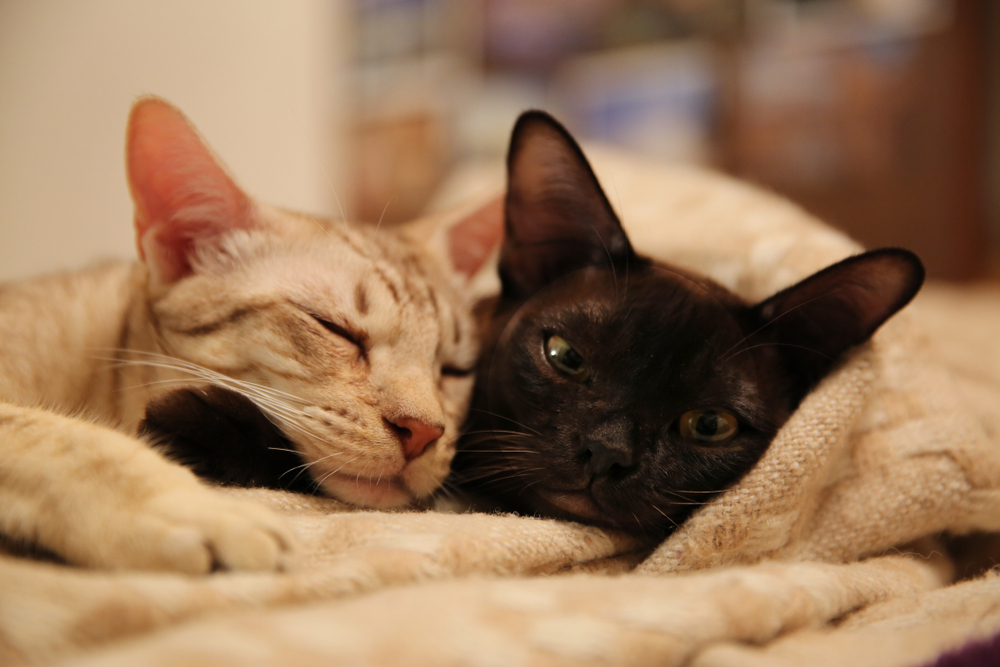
[{"x": 268, "y": 308}]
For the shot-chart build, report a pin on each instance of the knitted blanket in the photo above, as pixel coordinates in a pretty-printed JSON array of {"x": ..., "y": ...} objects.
[{"x": 827, "y": 552}]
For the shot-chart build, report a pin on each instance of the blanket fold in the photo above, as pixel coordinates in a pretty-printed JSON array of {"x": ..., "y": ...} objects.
[{"x": 564, "y": 620}]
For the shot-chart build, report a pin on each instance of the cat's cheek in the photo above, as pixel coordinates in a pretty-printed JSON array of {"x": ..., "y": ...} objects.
[
  {"x": 423, "y": 476},
  {"x": 456, "y": 395}
]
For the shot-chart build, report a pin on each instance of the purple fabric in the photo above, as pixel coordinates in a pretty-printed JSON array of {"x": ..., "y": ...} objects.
[{"x": 982, "y": 653}]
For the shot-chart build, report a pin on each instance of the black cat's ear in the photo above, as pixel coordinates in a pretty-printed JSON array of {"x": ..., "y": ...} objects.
[
  {"x": 557, "y": 219},
  {"x": 816, "y": 320}
]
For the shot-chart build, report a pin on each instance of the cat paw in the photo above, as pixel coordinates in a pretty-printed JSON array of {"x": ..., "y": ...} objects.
[{"x": 196, "y": 531}]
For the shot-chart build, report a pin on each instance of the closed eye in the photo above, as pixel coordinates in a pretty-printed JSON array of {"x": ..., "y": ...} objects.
[
  {"x": 455, "y": 372},
  {"x": 335, "y": 328},
  {"x": 357, "y": 339}
]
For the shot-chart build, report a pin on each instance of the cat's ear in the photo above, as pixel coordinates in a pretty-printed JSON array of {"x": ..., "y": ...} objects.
[
  {"x": 183, "y": 194},
  {"x": 557, "y": 218},
  {"x": 817, "y": 319},
  {"x": 463, "y": 241},
  {"x": 473, "y": 239}
]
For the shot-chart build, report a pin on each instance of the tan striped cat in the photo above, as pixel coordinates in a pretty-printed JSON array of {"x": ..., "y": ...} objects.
[{"x": 358, "y": 347}]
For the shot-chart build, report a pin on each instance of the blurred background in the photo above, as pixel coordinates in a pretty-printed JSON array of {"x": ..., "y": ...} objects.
[{"x": 880, "y": 116}]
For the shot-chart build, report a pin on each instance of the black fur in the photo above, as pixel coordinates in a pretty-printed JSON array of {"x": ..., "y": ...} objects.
[
  {"x": 225, "y": 438},
  {"x": 658, "y": 341}
]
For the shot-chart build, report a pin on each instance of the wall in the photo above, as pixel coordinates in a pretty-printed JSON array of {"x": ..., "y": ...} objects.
[
  {"x": 993, "y": 128},
  {"x": 263, "y": 81}
]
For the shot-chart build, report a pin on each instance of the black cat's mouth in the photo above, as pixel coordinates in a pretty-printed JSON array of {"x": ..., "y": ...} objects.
[
  {"x": 584, "y": 507},
  {"x": 575, "y": 503}
]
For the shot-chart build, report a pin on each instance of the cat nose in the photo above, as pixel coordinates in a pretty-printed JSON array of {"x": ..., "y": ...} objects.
[
  {"x": 600, "y": 458},
  {"x": 415, "y": 435}
]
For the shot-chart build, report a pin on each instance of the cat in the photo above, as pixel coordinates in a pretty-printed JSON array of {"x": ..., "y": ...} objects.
[
  {"x": 358, "y": 346},
  {"x": 621, "y": 392}
]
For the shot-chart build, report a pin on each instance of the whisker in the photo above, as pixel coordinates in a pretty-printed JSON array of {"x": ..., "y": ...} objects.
[
  {"x": 527, "y": 486},
  {"x": 621, "y": 217},
  {"x": 524, "y": 472},
  {"x": 181, "y": 364},
  {"x": 685, "y": 499},
  {"x": 374, "y": 260},
  {"x": 307, "y": 464},
  {"x": 489, "y": 476},
  {"x": 513, "y": 421},
  {"x": 753, "y": 347},
  {"x": 689, "y": 491},
  {"x": 500, "y": 451},
  {"x": 334, "y": 472},
  {"x": 492, "y": 431},
  {"x": 445, "y": 491},
  {"x": 611, "y": 262},
  {"x": 499, "y": 436},
  {"x": 772, "y": 321},
  {"x": 272, "y": 402},
  {"x": 264, "y": 404},
  {"x": 665, "y": 516},
  {"x": 154, "y": 383},
  {"x": 329, "y": 181},
  {"x": 385, "y": 208},
  {"x": 317, "y": 223}
]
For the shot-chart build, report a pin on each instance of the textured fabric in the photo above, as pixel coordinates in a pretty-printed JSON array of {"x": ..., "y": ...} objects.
[
  {"x": 906, "y": 629},
  {"x": 578, "y": 619},
  {"x": 802, "y": 562}
]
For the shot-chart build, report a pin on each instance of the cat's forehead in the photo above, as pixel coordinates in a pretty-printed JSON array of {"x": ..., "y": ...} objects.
[
  {"x": 377, "y": 281},
  {"x": 658, "y": 329},
  {"x": 627, "y": 299},
  {"x": 339, "y": 265}
]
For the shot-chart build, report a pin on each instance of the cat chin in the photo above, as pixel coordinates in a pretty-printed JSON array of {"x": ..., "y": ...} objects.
[
  {"x": 580, "y": 506},
  {"x": 411, "y": 485},
  {"x": 573, "y": 504},
  {"x": 384, "y": 493}
]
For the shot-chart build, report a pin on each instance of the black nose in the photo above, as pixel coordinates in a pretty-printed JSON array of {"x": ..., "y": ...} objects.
[{"x": 601, "y": 458}]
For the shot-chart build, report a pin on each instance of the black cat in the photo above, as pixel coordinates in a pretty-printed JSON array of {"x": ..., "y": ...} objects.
[{"x": 621, "y": 392}]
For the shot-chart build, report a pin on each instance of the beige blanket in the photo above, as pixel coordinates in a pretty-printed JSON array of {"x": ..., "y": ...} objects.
[{"x": 824, "y": 553}]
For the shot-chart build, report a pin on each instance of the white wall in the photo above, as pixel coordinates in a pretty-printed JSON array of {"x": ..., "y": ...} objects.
[{"x": 261, "y": 80}]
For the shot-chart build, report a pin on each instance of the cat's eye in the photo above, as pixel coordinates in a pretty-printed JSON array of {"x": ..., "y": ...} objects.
[
  {"x": 708, "y": 426},
  {"x": 358, "y": 340},
  {"x": 335, "y": 328},
  {"x": 565, "y": 359},
  {"x": 455, "y": 372}
]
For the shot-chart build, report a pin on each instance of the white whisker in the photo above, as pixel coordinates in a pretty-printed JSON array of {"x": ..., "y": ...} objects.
[
  {"x": 334, "y": 472},
  {"x": 302, "y": 468},
  {"x": 279, "y": 407}
]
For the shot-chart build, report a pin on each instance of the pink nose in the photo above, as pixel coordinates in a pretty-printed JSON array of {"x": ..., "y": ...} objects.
[{"x": 416, "y": 435}]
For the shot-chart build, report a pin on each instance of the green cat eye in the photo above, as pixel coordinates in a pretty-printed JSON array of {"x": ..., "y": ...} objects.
[
  {"x": 708, "y": 426},
  {"x": 565, "y": 359}
]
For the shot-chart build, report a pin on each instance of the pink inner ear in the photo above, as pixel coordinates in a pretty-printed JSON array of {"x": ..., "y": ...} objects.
[
  {"x": 182, "y": 193},
  {"x": 472, "y": 240}
]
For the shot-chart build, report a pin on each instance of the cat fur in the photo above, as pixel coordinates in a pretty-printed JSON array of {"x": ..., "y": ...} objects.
[{"x": 358, "y": 345}]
